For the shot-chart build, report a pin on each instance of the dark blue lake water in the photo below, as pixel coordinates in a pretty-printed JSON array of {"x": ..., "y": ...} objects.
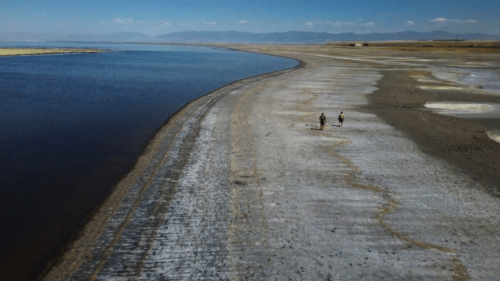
[{"x": 72, "y": 125}]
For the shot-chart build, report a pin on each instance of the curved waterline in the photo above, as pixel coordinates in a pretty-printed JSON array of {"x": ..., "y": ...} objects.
[{"x": 97, "y": 111}]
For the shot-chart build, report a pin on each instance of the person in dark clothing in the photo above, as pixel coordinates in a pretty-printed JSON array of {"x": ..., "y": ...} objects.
[
  {"x": 341, "y": 119},
  {"x": 322, "y": 121}
]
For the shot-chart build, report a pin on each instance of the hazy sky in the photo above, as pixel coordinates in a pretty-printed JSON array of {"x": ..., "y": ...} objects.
[{"x": 91, "y": 17}]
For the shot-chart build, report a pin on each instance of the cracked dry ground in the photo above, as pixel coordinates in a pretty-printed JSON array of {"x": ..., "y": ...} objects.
[{"x": 242, "y": 185}]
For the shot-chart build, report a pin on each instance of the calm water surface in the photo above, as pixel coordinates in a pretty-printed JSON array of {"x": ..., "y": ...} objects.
[{"x": 72, "y": 125}]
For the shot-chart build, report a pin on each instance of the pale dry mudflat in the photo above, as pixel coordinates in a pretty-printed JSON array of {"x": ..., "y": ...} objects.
[
  {"x": 41, "y": 51},
  {"x": 242, "y": 185}
]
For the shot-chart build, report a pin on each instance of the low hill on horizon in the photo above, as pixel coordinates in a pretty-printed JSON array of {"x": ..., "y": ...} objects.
[
  {"x": 301, "y": 37},
  {"x": 291, "y": 37}
]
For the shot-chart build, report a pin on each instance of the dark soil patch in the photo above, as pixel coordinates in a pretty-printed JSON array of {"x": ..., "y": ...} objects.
[{"x": 461, "y": 142}]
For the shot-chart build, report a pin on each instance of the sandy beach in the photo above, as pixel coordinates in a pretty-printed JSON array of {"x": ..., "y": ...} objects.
[
  {"x": 42, "y": 51},
  {"x": 242, "y": 185}
]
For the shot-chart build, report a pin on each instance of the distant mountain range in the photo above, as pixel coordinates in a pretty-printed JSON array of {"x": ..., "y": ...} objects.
[{"x": 291, "y": 37}]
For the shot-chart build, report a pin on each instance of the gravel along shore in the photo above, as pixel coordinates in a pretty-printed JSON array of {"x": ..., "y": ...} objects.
[{"x": 241, "y": 184}]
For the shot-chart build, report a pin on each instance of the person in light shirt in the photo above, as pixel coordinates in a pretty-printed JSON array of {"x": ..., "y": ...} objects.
[{"x": 341, "y": 119}]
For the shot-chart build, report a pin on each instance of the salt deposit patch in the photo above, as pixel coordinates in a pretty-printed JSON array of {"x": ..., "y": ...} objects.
[
  {"x": 441, "y": 88},
  {"x": 462, "y": 107},
  {"x": 484, "y": 79},
  {"x": 425, "y": 80},
  {"x": 494, "y": 135},
  {"x": 477, "y": 64},
  {"x": 465, "y": 109}
]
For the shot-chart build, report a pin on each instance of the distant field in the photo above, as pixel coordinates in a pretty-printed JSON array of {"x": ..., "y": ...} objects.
[
  {"x": 429, "y": 46},
  {"x": 41, "y": 51}
]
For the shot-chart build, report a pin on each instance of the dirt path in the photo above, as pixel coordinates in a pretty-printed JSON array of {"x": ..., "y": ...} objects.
[{"x": 243, "y": 185}]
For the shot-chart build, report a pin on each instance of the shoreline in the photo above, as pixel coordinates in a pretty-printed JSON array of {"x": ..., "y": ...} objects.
[
  {"x": 241, "y": 183},
  {"x": 101, "y": 215},
  {"x": 98, "y": 190}
]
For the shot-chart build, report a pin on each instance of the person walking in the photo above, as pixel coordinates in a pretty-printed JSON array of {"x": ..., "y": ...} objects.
[
  {"x": 341, "y": 119},
  {"x": 322, "y": 121}
]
